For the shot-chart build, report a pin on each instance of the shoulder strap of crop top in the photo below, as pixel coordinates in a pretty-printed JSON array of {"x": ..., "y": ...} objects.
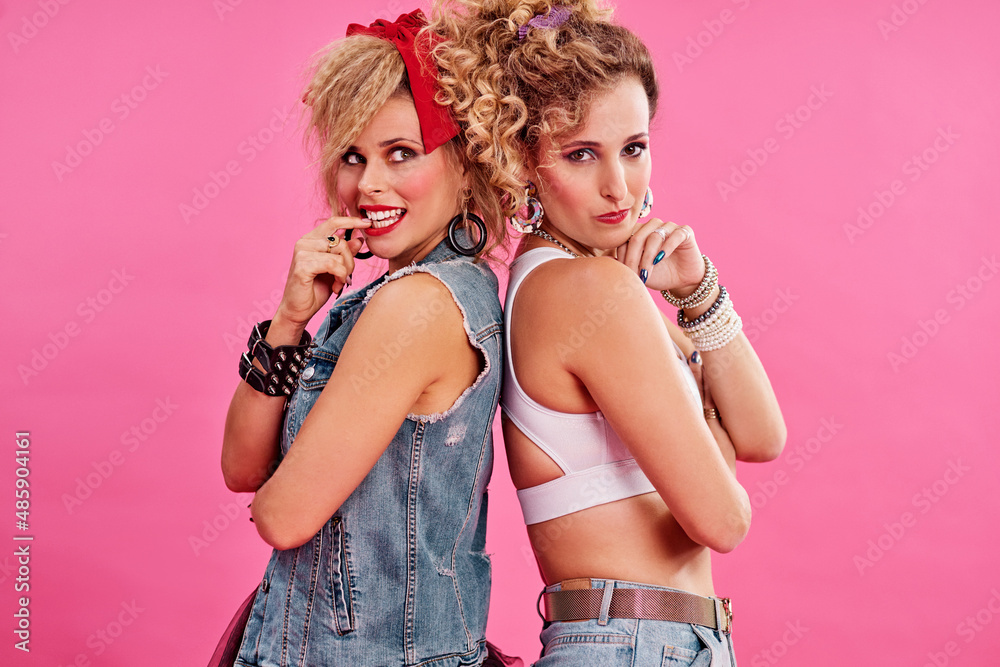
[{"x": 541, "y": 424}]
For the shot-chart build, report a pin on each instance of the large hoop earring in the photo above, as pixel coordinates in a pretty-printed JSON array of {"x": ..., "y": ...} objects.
[
  {"x": 529, "y": 217},
  {"x": 459, "y": 221},
  {"x": 647, "y": 203},
  {"x": 362, "y": 254}
]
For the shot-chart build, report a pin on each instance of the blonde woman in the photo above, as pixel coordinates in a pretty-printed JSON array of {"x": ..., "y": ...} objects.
[
  {"x": 369, "y": 447},
  {"x": 621, "y": 427}
]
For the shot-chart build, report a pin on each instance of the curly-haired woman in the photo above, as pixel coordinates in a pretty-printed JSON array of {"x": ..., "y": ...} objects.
[
  {"x": 369, "y": 451},
  {"x": 621, "y": 427}
]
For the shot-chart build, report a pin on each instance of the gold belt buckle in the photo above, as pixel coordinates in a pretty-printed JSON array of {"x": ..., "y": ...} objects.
[{"x": 727, "y": 608}]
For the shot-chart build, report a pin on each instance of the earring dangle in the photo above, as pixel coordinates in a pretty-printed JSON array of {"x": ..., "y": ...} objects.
[
  {"x": 362, "y": 254},
  {"x": 459, "y": 221},
  {"x": 647, "y": 204},
  {"x": 529, "y": 217}
]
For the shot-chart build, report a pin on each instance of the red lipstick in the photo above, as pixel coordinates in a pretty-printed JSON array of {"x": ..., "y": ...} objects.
[
  {"x": 376, "y": 228},
  {"x": 614, "y": 217}
]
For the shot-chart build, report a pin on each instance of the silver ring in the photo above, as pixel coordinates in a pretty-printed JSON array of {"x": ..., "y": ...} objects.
[{"x": 661, "y": 232}]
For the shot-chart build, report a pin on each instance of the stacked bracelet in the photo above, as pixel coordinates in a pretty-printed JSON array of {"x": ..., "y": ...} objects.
[
  {"x": 282, "y": 365},
  {"x": 701, "y": 294},
  {"x": 716, "y": 327},
  {"x": 684, "y": 323}
]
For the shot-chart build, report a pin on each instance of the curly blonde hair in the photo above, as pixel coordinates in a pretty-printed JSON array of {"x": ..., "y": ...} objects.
[
  {"x": 350, "y": 81},
  {"x": 508, "y": 92}
]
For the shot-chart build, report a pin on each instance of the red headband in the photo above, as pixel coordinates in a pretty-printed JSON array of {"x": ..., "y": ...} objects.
[{"x": 437, "y": 126}]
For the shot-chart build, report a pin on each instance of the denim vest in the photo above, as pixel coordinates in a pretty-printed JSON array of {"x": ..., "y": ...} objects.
[{"x": 399, "y": 575}]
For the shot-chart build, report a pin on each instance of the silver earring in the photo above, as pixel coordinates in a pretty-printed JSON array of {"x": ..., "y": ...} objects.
[
  {"x": 529, "y": 217},
  {"x": 647, "y": 204}
]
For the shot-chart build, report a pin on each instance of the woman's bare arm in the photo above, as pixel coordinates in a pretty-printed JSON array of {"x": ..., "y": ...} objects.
[
  {"x": 356, "y": 415},
  {"x": 628, "y": 366}
]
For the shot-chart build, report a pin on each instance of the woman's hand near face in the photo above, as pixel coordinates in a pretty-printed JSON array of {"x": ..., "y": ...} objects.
[
  {"x": 318, "y": 271},
  {"x": 679, "y": 269},
  {"x": 250, "y": 441}
]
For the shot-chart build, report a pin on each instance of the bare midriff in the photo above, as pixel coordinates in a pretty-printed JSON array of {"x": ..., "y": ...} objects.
[{"x": 635, "y": 539}]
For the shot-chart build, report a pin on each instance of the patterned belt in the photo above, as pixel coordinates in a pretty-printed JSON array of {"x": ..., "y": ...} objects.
[{"x": 643, "y": 603}]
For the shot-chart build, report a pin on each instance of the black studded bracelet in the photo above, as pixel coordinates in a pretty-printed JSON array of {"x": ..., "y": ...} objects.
[{"x": 282, "y": 365}]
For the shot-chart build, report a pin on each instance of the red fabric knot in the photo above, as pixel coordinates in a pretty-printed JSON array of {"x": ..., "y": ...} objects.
[{"x": 437, "y": 125}]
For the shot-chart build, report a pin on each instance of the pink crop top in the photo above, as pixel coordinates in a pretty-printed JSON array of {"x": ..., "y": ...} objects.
[{"x": 598, "y": 467}]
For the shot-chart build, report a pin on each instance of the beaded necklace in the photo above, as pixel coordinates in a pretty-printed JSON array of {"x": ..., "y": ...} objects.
[{"x": 551, "y": 239}]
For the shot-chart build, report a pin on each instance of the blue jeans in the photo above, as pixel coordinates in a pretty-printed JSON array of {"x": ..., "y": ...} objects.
[{"x": 630, "y": 642}]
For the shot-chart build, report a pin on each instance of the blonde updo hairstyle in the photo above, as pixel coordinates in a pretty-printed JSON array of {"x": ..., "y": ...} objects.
[
  {"x": 351, "y": 80},
  {"x": 509, "y": 93}
]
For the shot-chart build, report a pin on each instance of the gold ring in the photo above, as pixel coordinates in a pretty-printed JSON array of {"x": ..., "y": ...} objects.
[
  {"x": 711, "y": 413},
  {"x": 332, "y": 242}
]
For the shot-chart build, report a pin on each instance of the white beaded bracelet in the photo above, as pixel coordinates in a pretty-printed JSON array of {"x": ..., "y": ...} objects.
[{"x": 718, "y": 330}]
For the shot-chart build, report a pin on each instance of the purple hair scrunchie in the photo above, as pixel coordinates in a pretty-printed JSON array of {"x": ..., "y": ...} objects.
[{"x": 552, "y": 20}]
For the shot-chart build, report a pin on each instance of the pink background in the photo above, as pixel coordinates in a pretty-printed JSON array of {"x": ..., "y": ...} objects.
[{"x": 874, "y": 537}]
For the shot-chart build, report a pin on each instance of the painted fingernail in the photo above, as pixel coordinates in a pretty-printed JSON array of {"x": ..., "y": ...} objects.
[
  {"x": 695, "y": 357},
  {"x": 659, "y": 256},
  {"x": 643, "y": 274}
]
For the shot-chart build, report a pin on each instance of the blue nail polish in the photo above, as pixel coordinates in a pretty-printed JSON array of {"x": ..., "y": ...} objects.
[
  {"x": 643, "y": 274},
  {"x": 695, "y": 357},
  {"x": 659, "y": 256}
]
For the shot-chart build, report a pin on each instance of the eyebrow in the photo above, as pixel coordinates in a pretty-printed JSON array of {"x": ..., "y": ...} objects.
[
  {"x": 385, "y": 144},
  {"x": 390, "y": 142},
  {"x": 595, "y": 144}
]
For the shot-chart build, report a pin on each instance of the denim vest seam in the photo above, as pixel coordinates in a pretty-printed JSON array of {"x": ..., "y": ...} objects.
[
  {"x": 411, "y": 538},
  {"x": 339, "y": 559},
  {"x": 484, "y": 445},
  {"x": 289, "y": 589},
  {"x": 311, "y": 597},
  {"x": 493, "y": 329},
  {"x": 347, "y": 564},
  {"x": 476, "y": 648}
]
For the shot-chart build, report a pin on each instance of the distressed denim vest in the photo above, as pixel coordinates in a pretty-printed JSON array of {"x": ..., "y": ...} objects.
[{"x": 399, "y": 575}]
